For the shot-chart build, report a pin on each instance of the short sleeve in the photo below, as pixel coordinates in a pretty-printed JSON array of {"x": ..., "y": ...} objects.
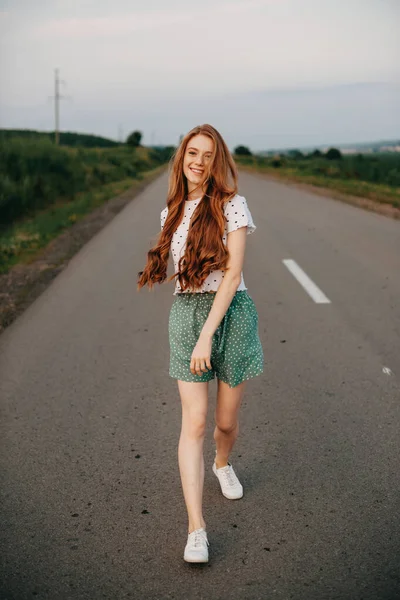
[
  {"x": 163, "y": 216},
  {"x": 238, "y": 215}
]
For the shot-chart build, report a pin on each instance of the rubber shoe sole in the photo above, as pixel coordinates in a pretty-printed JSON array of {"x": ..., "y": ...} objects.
[{"x": 196, "y": 550}]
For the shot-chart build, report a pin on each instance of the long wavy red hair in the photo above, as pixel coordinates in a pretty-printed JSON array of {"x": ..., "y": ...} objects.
[{"x": 205, "y": 251}]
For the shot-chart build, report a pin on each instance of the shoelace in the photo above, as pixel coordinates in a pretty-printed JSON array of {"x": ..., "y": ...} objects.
[
  {"x": 229, "y": 476},
  {"x": 198, "y": 536}
]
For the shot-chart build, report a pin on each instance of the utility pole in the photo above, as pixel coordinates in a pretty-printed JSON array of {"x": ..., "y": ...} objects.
[
  {"x": 56, "y": 107},
  {"x": 57, "y": 98}
]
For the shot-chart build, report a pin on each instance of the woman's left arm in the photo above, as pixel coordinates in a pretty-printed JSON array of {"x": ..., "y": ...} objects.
[{"x": 236, "y": 244}]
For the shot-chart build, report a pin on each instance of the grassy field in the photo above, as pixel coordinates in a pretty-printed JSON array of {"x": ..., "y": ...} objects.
[
  {"x": 34, "y": 173},
  {"x": 45, "y": 189},
  {"x": 376, "y": 178},
  {"x": 21, "y": 242}
]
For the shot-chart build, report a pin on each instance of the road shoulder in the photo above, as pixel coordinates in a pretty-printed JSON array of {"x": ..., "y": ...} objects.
[
  {"x": 367, "y": 204},
  {"x": 25, "y": 282}
]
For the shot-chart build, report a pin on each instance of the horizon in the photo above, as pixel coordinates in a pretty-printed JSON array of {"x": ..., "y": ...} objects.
[
  {"x": 286, "y": 75},
  {"x": 369, "y": 143}
]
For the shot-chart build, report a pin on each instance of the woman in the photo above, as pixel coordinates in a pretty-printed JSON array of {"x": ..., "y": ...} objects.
[{"x": 213, "y": 322}]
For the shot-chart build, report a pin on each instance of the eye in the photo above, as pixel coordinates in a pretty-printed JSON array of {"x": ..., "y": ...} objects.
[{"x": 191, "y": 152}]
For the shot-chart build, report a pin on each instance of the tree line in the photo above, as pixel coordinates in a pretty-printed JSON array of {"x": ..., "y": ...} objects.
[{"x": 374, "y": 168}]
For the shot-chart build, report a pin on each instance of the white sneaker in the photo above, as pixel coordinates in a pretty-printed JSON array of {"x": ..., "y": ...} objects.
[
  {"x": 230, "y": 484},
  {"x": 196, "y": 550}
]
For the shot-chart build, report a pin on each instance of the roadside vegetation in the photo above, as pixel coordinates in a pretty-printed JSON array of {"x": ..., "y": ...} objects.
[
  {"x": 45, "y": 188},
  {"x": 372, "y": 176}
]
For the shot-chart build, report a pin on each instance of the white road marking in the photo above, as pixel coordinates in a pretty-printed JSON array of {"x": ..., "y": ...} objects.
[
  {"x": 312, "y": 290},
  {"x": 387, "y": 371}
]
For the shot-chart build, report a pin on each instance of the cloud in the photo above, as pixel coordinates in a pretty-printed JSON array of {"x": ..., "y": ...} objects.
[
  {"x": 90, "y": 27},
  {"x": 108, "y": 26},
  {"x": 244, "y": 6}
]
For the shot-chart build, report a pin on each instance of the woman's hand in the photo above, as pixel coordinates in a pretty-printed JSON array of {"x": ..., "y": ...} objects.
[{"x": 201, "y": 355}]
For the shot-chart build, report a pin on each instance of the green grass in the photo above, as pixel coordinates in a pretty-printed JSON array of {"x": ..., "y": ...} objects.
[
  {"x": 44, "y": 189},
  {"x": 378, "y": 192},
  {"x": 21, "y": 242},
  {"x": 35, "y": 174}
]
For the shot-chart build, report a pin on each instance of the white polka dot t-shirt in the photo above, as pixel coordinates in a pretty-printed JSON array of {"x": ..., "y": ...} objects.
[{"x": 237, "y": 215}]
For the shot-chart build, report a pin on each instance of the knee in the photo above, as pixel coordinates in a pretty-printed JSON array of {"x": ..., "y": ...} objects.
[
  {"x": 194, "y": 427},
  {"x": 225, "y": 426}
]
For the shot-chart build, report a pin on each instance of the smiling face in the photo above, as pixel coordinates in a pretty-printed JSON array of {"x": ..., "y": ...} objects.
[{"x": 196, "y": 162}]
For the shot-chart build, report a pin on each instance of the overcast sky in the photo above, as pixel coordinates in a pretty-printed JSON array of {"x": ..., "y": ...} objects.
[{"x": 266, "y": 73}]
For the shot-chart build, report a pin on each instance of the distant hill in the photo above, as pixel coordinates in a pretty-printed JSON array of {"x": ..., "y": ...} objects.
[
  {"x": 67, "y": 138},
  {"x": 361, "y": 148},
  {"x": 378, "y": 144}
]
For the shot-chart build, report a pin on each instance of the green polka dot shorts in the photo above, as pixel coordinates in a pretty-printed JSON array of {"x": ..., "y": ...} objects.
[{"x": 236, "y": 351}]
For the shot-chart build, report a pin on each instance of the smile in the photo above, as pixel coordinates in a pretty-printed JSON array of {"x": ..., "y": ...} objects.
[{"x": 197, "y": 171}]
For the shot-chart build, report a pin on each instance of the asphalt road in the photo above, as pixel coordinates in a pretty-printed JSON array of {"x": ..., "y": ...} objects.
[{"x": 92, "y": 505}]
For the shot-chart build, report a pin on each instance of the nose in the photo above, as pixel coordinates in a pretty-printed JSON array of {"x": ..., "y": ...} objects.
[{"x": 199, "y": 160}]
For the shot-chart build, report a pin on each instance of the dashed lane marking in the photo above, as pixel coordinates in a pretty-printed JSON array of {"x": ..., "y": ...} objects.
[{"x": 310, "y": 287}]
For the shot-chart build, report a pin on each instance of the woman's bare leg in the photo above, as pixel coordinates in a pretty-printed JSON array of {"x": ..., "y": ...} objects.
[
  {"x": 194, "y": 399},
  {"x": 226, "y": 420}
]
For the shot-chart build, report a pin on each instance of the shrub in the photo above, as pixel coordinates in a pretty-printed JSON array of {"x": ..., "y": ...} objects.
[
  {"x": 242, "y": 151},
  {"x": 34, "y": 173},
  {"x": 295, "y": 154},
  {"x": 393, "y": 177},
  {"x": 316, "y": 154},
  {"x": 134, "y": 139},
  {"x": 333, "y": 154}
]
